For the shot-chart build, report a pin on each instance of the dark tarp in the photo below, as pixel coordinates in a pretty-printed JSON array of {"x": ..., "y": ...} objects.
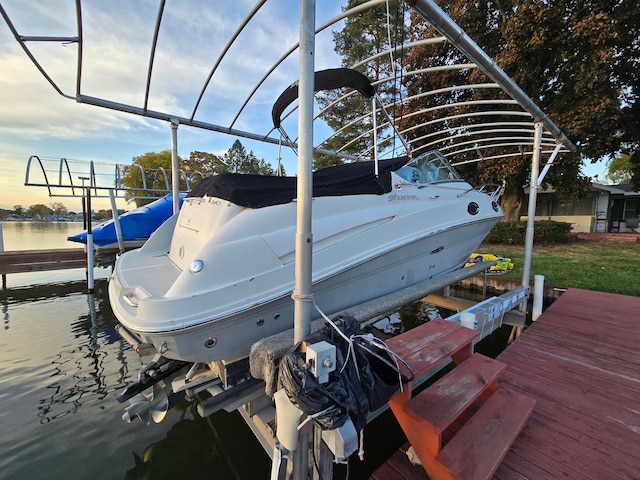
[
  {"x": 256, "y": 191},
  {"x": 365, "y": 377}
]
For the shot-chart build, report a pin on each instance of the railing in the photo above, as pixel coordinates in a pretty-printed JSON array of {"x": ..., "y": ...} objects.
[{"x": 74, "y": 176}]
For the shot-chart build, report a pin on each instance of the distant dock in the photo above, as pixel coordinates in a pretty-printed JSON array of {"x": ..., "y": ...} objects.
[{"x": 21, "y": 261}]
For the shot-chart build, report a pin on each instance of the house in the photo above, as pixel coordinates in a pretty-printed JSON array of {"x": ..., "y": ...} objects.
[{"x": 603, "y": 208}]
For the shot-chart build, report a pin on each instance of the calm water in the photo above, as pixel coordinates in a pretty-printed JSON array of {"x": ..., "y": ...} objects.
[
  {"x": 60, "y": 362},
  {"x": 43, "y": 235}
]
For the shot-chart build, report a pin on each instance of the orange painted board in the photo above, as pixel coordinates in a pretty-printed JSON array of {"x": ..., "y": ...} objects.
[
  {"x": 446, "y": 399},
  {"x": 479, "y": 447},
  {"x": 426, "y": 346}
]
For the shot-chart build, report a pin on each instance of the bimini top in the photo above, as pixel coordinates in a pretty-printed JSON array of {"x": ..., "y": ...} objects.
[{"x": 257, "y": 191}]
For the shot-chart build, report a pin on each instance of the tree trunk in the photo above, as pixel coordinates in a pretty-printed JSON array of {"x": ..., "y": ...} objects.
[{"x": 511, "y": 204}]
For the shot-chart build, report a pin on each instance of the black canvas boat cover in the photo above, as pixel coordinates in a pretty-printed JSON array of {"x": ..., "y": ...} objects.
[{"x": 257, "y": 191}]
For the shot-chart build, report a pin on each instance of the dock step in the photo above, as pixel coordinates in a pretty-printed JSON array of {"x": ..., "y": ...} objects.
[
  {"x": 428, "y": 345},
  {"x": 478, "y": 449},
  {"x": 443, "y": 402}
]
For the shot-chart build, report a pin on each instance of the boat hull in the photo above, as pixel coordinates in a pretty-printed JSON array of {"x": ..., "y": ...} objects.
[{"x": 229, "y": 337}]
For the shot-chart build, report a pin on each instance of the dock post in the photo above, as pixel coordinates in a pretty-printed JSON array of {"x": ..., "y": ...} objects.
[
  {"x": 4, "y": 277},
  {"x": 531, "y": 208},
  {"x": 90, "y": 280},
  {"x": 175, "y": 166},
  {"x": 538, "y": 295},
  {"x": 302, "y": 292}
]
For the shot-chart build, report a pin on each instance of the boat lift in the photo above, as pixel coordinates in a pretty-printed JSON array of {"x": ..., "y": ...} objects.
[{"x": 523, "y": 130}]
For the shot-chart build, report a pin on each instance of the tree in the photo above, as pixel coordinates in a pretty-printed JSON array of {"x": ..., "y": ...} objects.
[
  {"x": 39, "y": 210},
  {"x": 18, "y": 210},
  {"x": 574, "y": 57},
  {"x": 363, "y": 36},
  {"x": 203, "y": 163},
  {"x": 59, "y": 209},
  {"x": 150, "y": 174},
  {"x": 102, "y": 215},
  {"x": 619, "y": 169},
  {"x": 237, "y": 160}
]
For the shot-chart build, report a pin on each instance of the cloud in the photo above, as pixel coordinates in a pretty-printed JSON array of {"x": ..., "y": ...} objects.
[{"x": 35, "y": 119}]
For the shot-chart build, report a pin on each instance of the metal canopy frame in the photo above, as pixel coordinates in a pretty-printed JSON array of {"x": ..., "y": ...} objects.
[{"x": 517, "y": 112}]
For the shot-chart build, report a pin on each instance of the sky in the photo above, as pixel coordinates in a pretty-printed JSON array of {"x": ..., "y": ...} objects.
[{"x": 36, "y": 120}]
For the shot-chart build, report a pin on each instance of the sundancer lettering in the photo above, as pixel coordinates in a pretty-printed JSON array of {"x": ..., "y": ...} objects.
[{"x": 393, "y": 198}]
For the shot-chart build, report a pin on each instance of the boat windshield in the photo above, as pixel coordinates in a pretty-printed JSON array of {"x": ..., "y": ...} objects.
[{"x": 428, "y": 168}]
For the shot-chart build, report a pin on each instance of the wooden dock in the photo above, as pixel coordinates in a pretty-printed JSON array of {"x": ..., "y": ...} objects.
[
  {"x": 22, "y": 261},
  {"x": 580, "y": 363}
]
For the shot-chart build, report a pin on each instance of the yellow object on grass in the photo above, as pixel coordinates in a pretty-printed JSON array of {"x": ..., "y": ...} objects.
[{"x": 504, "y": 265}]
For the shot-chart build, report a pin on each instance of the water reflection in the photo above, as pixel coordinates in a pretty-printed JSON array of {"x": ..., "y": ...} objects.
[
  {"x": 82, "y": 371},
  {"x": 61, "y": 360},
  {"x": 206, "y": 448}
]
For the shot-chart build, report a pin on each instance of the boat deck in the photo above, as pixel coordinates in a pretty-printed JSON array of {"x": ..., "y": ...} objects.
[{"x": 580, "y": 362}]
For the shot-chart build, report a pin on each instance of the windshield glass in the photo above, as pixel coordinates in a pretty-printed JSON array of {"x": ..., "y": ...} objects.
[{"x": 427, "y": 168}]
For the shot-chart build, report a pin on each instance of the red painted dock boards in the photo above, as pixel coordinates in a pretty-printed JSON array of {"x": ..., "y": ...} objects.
[{"x": 581, "y": 362}]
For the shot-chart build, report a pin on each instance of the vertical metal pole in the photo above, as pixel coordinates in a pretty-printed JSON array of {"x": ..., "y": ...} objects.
[
  {"x": 302, "y": 295},
  {"x": 175, "y": 166},
  {"x": 531, "y": 211},
  {"x": 4, "y": 277},
  {"x": 90, "y": 281},
  {"x": 538, "y": 296},
  {"x": 116, "y": 221},
  {"x": 84, "y": 208},
  {"x": 375, "y": 134}
]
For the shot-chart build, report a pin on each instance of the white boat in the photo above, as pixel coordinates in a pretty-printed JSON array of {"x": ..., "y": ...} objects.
[
  {"x": 218, "y": 276},
  {"x": 135, "y": 225}
]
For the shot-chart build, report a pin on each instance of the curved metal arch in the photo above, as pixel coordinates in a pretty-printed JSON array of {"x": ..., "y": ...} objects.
[
  {"x": 164, "y": 176},
  {"x": 152, "y": 53},
  {"x": 447, "y": 27},
  {"x": 226, "y": 48},
  {"x": 447, "y": 151},
  {"x": 497, "y": 113},
  {"x": 482, "y": 143},
  {"x": 44, "y": 172},
  {"x": 64, "y": 164},
  {"x": 505, "y": 113},
  {"x": 143, "y": 175},
  {"x": 399, "y": 48},
  {"x": 474, "y": 126},
  {"x": 360, "y": 8},
  {"x": 505, "y": 155}
]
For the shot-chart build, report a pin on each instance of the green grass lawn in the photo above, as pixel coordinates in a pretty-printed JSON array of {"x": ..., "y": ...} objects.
[{"x": 604, "y": 266}]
